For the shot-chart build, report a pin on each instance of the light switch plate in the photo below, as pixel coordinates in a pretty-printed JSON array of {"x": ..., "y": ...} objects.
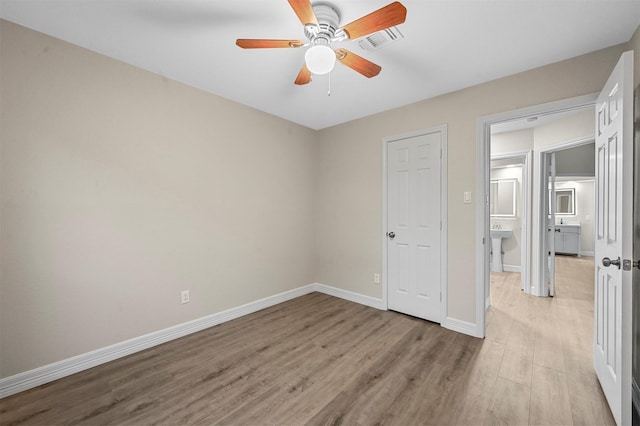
[{"x": 467, "y": 197}]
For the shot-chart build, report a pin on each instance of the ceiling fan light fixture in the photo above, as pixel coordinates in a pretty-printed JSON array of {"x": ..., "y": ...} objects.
[{"x": 320, "y": 59}]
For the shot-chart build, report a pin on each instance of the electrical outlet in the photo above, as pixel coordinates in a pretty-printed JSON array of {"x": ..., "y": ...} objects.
[
  {"x": 376, "y": 278},
  {"x": 184, "y": 296}
]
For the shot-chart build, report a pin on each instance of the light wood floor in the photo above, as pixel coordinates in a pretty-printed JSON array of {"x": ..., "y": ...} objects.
[
  {"x": 545, "y": 345},
  {"x": 322, "y": 360}
]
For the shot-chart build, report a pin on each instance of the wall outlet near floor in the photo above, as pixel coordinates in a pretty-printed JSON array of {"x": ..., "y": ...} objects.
[
  {"x": 184, "y": 296},
  {"x": 376, "y": 278}
]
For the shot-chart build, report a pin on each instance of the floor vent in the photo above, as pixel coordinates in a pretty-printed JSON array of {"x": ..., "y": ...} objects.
[{"x": 377, "y": 40}]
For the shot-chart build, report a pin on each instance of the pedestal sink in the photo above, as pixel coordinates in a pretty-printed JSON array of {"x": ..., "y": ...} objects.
[{"x": 496, "y": 246}]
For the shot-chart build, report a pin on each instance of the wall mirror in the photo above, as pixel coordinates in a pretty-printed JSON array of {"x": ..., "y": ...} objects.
[
  {"x": 502, "y": 195},
  {"x": 565, "y": 201}
]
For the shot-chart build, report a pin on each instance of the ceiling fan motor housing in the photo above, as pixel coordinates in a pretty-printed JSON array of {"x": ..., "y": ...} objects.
[{"x": 328, "y": 23}]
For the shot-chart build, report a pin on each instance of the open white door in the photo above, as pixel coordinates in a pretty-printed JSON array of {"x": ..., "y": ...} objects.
[{"x": 614, "y": 234}]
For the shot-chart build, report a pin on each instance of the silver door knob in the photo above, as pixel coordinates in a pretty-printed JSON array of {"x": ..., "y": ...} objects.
[
  {"x": 636, "y": 264},
  {"x": 391, "y": 235},
  {"x": 608, "y": 262}
]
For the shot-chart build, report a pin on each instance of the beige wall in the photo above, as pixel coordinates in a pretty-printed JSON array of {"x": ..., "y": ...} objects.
[
  {"x": 349, "y": 237},
  {"x": 577, "y": 126},
  {"x": 121, "y": 188},
  {"x": 510, "y": 142}
]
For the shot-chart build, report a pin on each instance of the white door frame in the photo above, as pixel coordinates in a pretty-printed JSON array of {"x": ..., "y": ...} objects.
[
  {"x": 546, "y": 221},
  {"x": 443, "y": 214},
  {"x": 525, "y": 214},
  {"x": 541, "y": 196},
  {"x": 483, "y": 166}
]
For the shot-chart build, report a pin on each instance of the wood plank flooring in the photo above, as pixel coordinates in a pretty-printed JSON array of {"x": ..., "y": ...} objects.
[
  {"x": 321, "y": 360},
  {"x": 546, "y": 345}
]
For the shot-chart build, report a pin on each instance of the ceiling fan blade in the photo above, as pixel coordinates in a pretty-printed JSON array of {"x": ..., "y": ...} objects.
[
  {"x": 305, "y": 13},
  {"x": 358, "y": 63},
  {"x": 304, "y": 76},
  {"x": 250, "y": 43},
  {"x": 388, "y": 16}
]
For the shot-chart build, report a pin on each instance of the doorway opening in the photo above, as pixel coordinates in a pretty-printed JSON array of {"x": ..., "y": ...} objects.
[
  {"x": 567, "y": 208},
  {"x": 510, "y": 217},
  {"x": 612, "y": 124},
  {"x": 514, "y": 121}
]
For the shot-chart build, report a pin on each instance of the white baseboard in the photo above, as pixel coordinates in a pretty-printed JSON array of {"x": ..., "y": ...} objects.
[
  {"x": 587, "y": 253},
  {"x": 463, "y": 327},
  {"x": 511, "y": 268},
  {"x": 351, "y": 296},
  {"x": 57, "y": 370}
]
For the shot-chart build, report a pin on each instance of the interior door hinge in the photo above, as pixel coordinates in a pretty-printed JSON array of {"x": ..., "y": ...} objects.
[
  {"x": 441, "y": 296},
  {"x": 483, "y": 240}
]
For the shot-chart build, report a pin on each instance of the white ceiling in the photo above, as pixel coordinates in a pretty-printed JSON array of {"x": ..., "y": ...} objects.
[{"x": 448, "y": 45}]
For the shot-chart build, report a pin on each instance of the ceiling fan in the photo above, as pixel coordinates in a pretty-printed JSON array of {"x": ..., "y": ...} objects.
[{"x": 322, "y": 27}]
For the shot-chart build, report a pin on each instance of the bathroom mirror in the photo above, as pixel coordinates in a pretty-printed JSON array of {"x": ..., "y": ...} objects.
[
  {"x": 502, "y": 195},
  {"x": 565, "y": 201}
]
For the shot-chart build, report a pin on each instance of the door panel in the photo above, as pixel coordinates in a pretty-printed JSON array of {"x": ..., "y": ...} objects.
[
  {"x": 413, "y": 216},
  {"x": 601, "y": 158},
  {"x": 614, "y": 233}
]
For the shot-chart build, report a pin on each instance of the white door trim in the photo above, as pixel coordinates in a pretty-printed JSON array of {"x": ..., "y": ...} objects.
[
  {"x": 443, "y": 214},
  {"x": 483, "y": 165}
]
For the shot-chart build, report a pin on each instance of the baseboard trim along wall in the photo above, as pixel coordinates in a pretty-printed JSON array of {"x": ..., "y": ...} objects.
[
  {"x": 57, "y": 370},
  {"x": 511, "y": 268},
  {"x": 48, "y": 373},
  {"x": 350, "y": 296},
  {"x": 463, "y": 327}
]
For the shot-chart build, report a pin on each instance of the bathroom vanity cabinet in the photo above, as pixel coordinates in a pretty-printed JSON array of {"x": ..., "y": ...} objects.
[{"x": 567, "y": 239}]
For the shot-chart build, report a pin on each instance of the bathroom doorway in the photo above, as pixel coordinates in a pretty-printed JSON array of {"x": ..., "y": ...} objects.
[
  {"x": 510, "y": 217},
  {"x": 567, "y": 206}
]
